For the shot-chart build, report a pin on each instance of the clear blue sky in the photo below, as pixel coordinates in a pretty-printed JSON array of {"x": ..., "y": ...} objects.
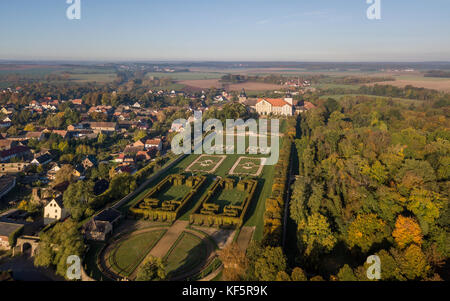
[{"x": 300, "y": 30}]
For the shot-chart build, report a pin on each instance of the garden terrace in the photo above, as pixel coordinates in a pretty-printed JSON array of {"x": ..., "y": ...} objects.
[
  {"x": 225, "y": 204},
  {"x": 166, "y": 200}
]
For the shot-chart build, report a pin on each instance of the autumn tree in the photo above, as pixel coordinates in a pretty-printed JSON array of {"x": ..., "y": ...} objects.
[
  {"x": 234, "y": 261},
  {"x": 316, "y": 234},
  {"x": 407, "y": 231},
  {"x": 366, "y": 230}
]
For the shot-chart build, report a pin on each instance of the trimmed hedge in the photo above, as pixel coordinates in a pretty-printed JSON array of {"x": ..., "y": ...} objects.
[
  {"x": 232, "y": 216},
  {"x": 168, "y": 211}
]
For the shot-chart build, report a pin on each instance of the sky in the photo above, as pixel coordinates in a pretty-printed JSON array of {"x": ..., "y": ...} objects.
[{"x": 226, "y": 30}]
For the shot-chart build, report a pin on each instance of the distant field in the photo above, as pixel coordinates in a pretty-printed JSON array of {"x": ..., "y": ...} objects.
[
  {"x": 93, "y": 77},
  {"x": 441, "y": 84},
  {"x": 215, "y": 83},
  {"x": 180, "y": 76}
]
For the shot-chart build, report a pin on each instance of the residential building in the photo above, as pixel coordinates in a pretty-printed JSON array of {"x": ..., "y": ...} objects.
[{"x": 55, "y": 211}]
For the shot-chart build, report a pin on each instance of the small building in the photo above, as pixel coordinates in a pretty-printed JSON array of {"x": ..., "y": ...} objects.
[
  {"x": 89, "y": 162},
  {"x": 42, "y": 159},
  {"x": 6, "y": 230},
  {"x": 55, "y": 211},
  {"x": 153, "y": 143},
  {"x": 104, "y": 126},
  {"x": 102, "y": 225},
  {"x": 12, "y": 168}
]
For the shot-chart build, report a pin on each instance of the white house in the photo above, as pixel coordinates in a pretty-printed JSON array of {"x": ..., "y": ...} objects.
[
  {"x": 153, "y": 143},
  {"x": 54, "y": 211},
  {"x": 276, "y": 106}
]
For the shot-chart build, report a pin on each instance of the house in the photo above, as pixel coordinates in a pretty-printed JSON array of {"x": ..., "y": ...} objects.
[
  {"x": 63, "y": 134},
  {"x": 275, "y": 106},
  {"x": 51, "y": 174},
  {"x": 42, "y": 159},
  {"x": 7, "y": 183},
  {"x": 153, "y": 143},
  {"x": 7, "y": 168},
  {"x": 304, "y": 107},
  {"x": 145, "y": 155},
  {"x": 6, "y": 144},
  {"x": 34, "y": 135},
  {"x": 55, "y": 211},
  {"x": 89, "y": 162},
  {"x": 17, "y": 151},
  {"x": 104, "y": 126},
  {"x": 126, "y": 168},
  {"x": 77, "y": 102},
  {"x": 102, "y": 225}
]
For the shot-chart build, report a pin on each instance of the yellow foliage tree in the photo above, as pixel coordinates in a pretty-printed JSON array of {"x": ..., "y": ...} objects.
[{"x": 407, "y": 231}]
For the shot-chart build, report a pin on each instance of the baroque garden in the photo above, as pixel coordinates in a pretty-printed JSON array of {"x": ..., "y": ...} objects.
[{"x": 189, "y": 212}]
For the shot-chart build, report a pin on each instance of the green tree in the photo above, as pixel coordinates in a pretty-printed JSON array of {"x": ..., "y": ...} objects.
[
  {"x": 151, "y": 270},
  {"x": 57, "y": 244}
]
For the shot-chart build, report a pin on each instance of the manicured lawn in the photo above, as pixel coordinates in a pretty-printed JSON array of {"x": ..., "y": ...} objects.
[
  {"x": 127, "y": 256},
  {"x": 255, "y": 213},
  {"x": 229, "y": 197},
  {"x": 205, "y": 164},
  {"x": 247, "y": 167},
  {"x": 189, "y": 252},
  {"x": 174, "y": 193}
]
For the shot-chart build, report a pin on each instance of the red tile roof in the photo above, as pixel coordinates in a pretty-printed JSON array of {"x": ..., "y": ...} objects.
[{"x": 276, "y": 102}]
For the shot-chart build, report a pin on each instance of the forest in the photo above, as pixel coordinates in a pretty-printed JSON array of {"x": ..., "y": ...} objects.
[{"x": 373, "y": 180}]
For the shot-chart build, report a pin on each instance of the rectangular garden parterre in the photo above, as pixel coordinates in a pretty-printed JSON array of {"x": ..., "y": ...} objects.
[
  {"x": 206, "y": 164},
  {"x": 165, "y": 201},
  {"x": 247, "y": 166},
  {"x": 225, "y": 204}
]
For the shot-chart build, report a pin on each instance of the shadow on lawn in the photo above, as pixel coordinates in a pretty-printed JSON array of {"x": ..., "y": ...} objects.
[{"x": 195, "y": 257}]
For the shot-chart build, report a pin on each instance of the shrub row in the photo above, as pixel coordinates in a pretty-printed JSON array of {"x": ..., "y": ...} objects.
[
  {"x": 274, "y": 213},
  {"x": 208, "y": 214},
  {"x": 167, "y": 211}
]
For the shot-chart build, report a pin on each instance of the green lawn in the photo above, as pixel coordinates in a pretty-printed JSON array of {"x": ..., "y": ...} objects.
[
  {"x": 189, "y": 252},
  {"x": 255, "y": 213},
  {"x": 205, "y": 164},
  {"x": 173, "y": 193},
  {"x": 228, "y": 197},
  {"x": 247, "y": 167},
  {"x": 129, "y": 254}
]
